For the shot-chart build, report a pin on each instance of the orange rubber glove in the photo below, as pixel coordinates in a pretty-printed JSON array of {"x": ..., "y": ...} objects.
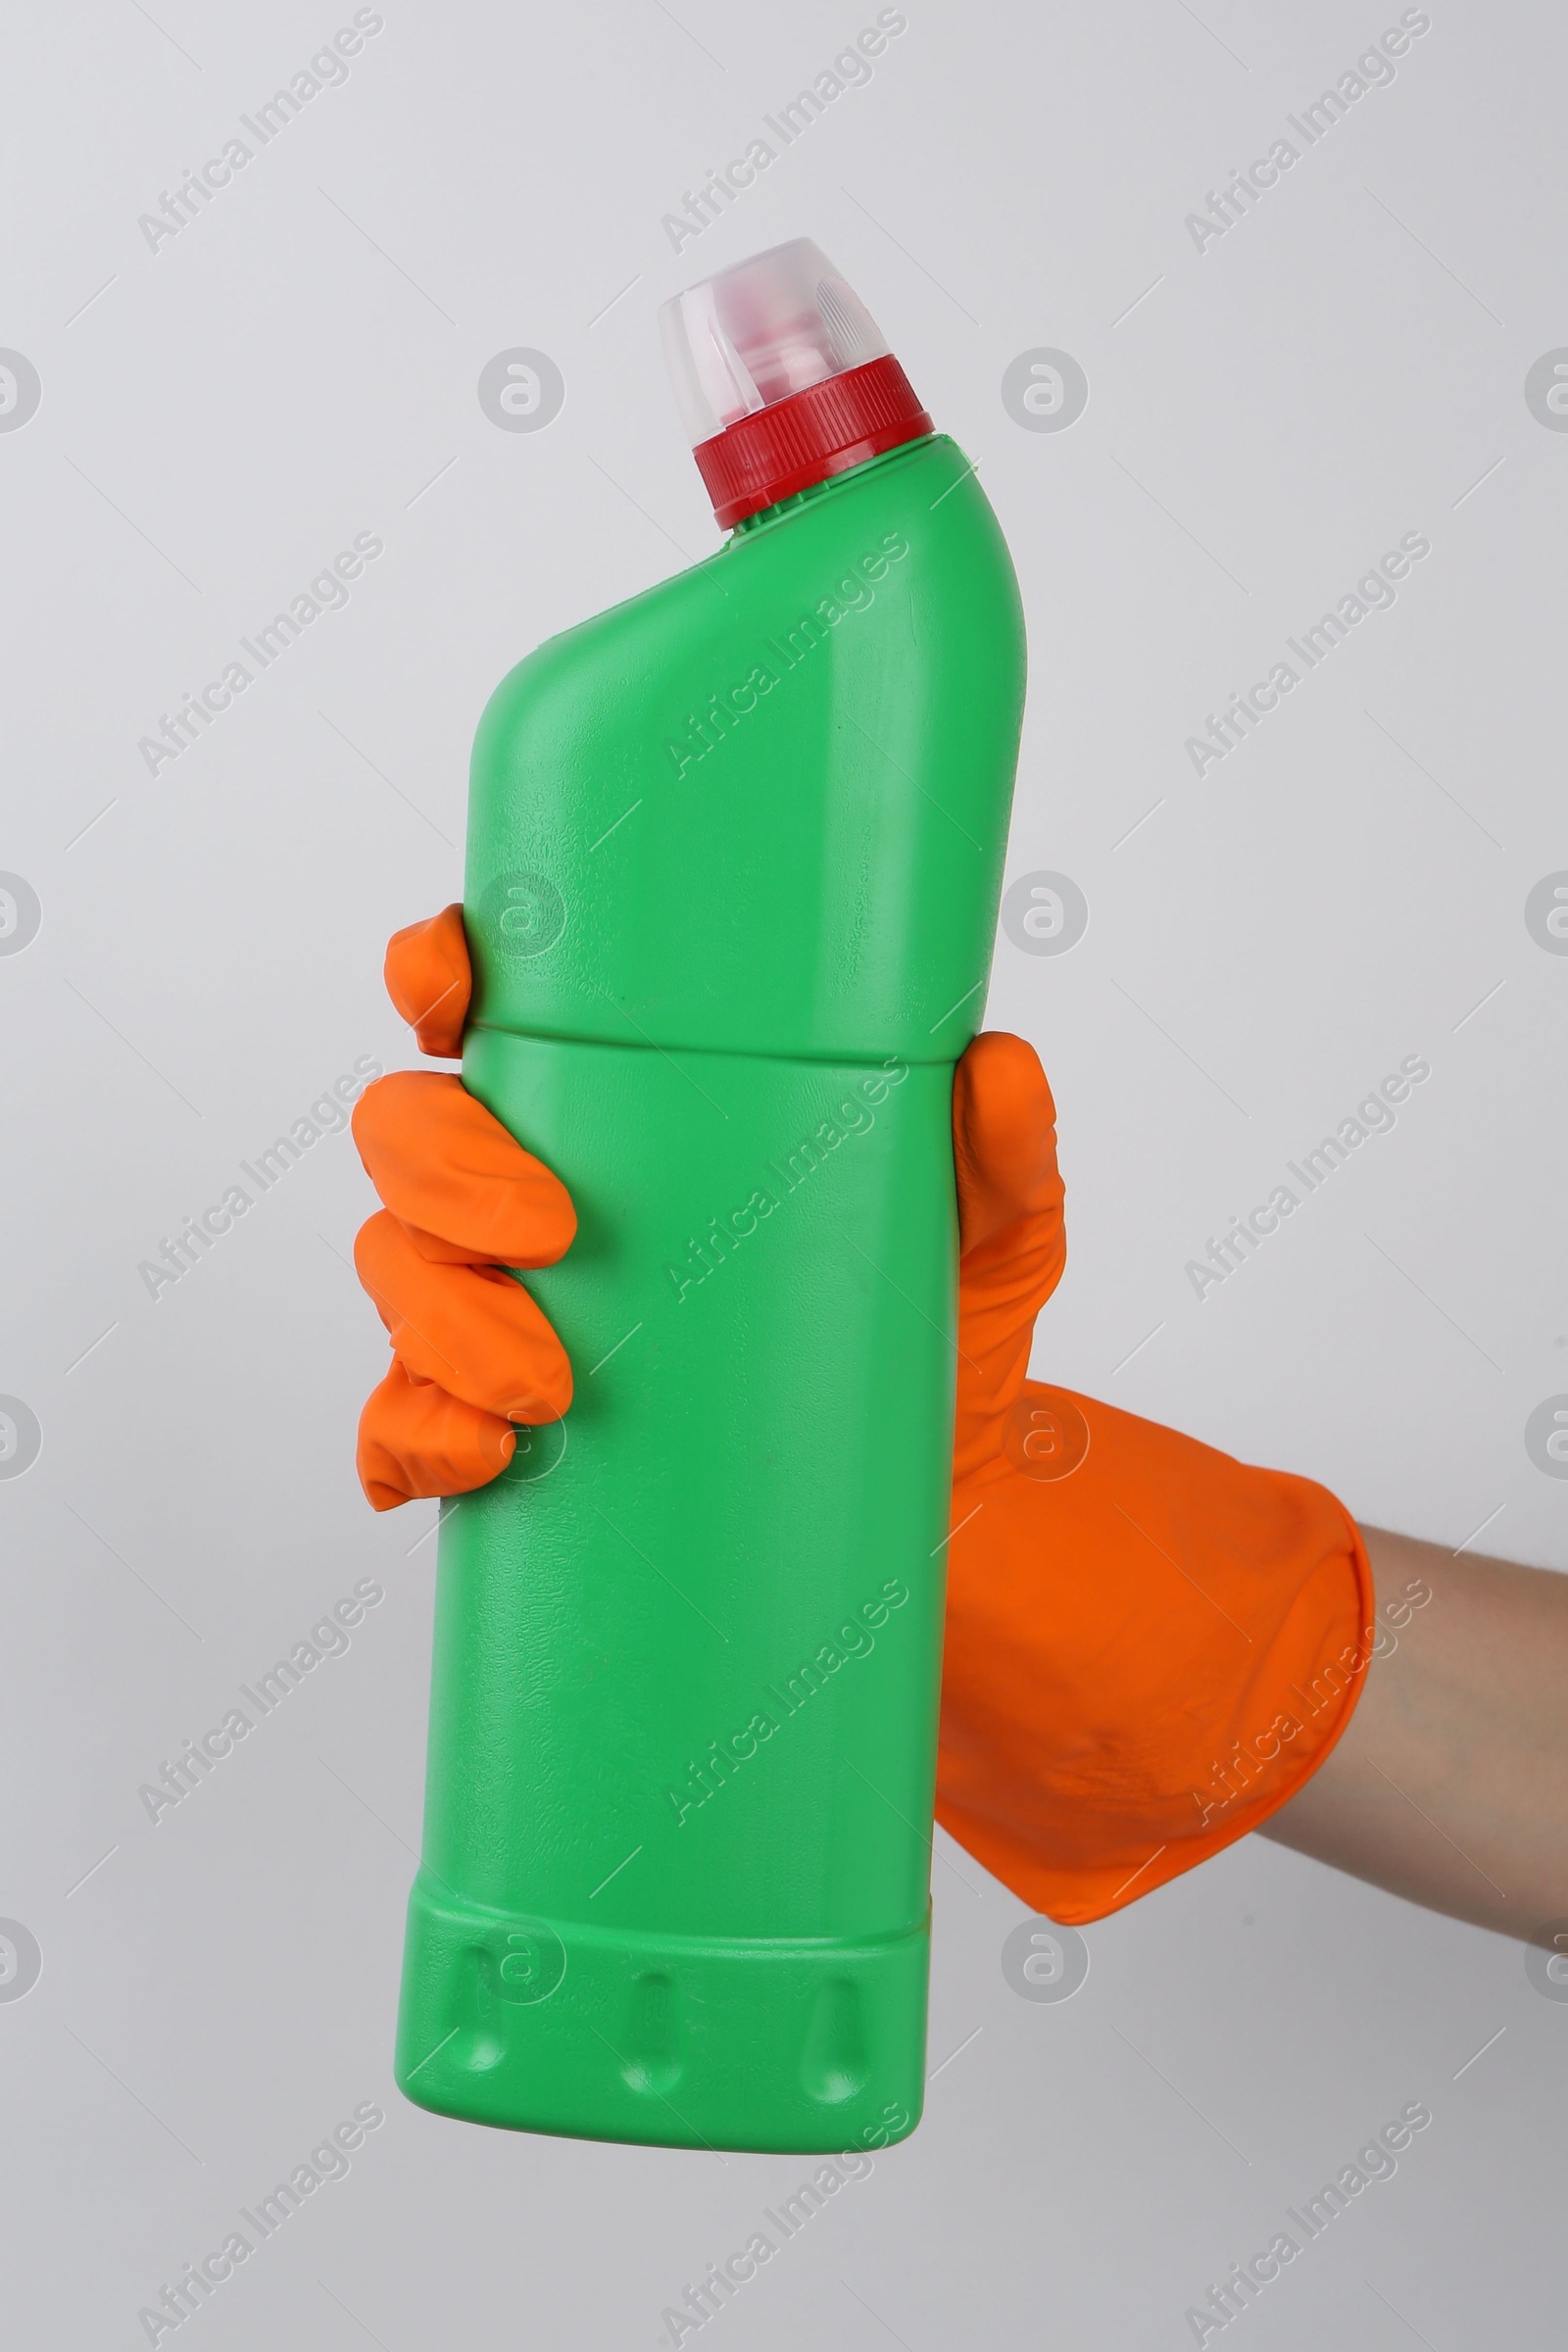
[
  {"x": 471, "y": 1353},
  {"x": 1149, "y": 1646}
]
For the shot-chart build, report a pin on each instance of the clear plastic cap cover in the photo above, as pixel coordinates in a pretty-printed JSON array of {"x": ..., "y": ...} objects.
[{"x": 772, "y": 325}]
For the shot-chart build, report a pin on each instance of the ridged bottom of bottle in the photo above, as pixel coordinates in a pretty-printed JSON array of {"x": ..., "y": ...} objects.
[{"x": 680, "y": 2041}]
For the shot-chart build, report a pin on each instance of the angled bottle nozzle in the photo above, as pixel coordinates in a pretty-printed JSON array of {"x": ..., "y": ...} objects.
[{"x": 782, "y": 377}]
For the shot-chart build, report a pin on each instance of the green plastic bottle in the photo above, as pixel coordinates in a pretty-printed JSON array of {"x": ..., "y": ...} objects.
[{"x": 734, "y": 855}]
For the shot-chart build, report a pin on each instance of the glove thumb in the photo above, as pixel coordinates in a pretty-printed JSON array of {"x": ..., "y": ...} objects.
[
  {"x": 1011, "y": 1236},
  {"x": 429, "y": 979}
]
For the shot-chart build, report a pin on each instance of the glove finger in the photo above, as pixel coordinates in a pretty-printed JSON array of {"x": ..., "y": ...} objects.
[
  {"x": 473, "y": 1330},
  {"x": 1012, "y": 1237},
  {"x": 429, "y": 979},
  {"x": 445, "y": 1166},
  {"x": 1003, "y": 1138},
  {"x": 416, "y": 1439}
]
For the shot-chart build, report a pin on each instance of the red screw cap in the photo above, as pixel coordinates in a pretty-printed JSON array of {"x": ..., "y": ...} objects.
[{"x": 783, "y": 378}]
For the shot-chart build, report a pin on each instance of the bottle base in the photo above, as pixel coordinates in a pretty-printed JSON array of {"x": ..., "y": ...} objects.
[{"x": 804, "y": 2047}]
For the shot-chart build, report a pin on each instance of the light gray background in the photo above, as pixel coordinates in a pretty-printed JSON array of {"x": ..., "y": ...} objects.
[{"x": 300, "y": 365}]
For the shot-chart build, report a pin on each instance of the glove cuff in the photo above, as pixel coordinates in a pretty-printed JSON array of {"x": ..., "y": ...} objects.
[{"x": 1147, "y": 1658}]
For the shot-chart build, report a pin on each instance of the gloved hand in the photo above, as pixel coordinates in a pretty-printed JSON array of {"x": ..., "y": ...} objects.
[
  {"x": 1149, "y": 1646},
  {"x": 471, "y": 1353}
]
